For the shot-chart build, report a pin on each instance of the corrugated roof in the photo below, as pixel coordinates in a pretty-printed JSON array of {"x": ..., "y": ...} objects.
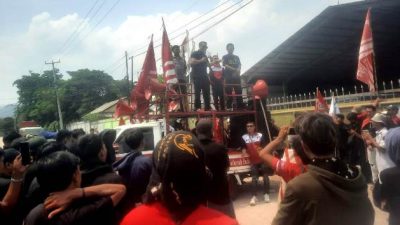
[
  {"x": 108, "y": 107},
  {"x": 324, "y": 52}
]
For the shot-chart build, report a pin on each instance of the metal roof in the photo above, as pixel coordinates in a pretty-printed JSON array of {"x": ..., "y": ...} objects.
[
  {"x": 106, "y": 108},
  {"x": 324, "y": 52}
]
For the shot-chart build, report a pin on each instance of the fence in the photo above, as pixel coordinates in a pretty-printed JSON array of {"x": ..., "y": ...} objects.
[{"x": 359, "y": 93}]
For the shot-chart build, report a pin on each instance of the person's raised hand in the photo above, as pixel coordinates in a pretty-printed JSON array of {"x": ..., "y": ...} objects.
[
  {"x": 18, "y": 168},
  {"x": 283, "y": 132}
]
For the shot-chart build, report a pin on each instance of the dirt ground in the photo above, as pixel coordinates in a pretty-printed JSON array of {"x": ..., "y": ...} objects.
[{"x": 263, "y": 213}]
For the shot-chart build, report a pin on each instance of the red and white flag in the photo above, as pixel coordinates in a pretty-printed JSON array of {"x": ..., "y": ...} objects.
[
  {"x": 365, "y": 70},
  {"x": 167, "y": 60},
  {"x": 320, "y": 103}
]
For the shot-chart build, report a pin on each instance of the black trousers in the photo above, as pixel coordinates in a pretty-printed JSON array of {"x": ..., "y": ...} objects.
[
  {"x": 256, "y": 171},
  {"x": 181, "y": 89},
  {"x": 201, "y": 85},
  {"x": 238, "y": 91},
  {"x": 218, "y": 93}
]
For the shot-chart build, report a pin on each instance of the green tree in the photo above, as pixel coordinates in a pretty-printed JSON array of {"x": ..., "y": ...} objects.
[
  {"x": 82, "y": 93},
  {"x": 6, "y": 125},
  {"x": 37, "y": 99},
  {"x": 87, "y": 90}
]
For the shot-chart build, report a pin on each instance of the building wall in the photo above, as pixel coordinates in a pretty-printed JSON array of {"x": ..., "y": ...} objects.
[{"x": 98, "y": 126}]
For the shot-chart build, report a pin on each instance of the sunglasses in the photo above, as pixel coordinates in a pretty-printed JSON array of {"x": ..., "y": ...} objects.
[{"x": 250, "y": 126}]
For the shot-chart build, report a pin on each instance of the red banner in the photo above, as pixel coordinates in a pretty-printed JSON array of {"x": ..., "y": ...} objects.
[
  {"x": 320, "y": 103},
  {"x": 167, "y": 60},
  {"x": 365, "y": 70}
]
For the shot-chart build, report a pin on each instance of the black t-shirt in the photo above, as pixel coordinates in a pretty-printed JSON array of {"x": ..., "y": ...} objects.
[
  {"x": 4, "y": 183},
  {"x": 99, "y": 211},
  {"x": 390, "y": 179},
  {"x": 216, "y": 157},
  {"x": 230, "y": 60},
  {"x": 201, "y": 68}
]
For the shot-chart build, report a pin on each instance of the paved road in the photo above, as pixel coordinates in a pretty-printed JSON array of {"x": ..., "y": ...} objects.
[{"x": 263, "y": 213}]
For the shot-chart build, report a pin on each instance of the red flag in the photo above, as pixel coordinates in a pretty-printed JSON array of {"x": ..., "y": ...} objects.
[
  {"x": 320, "y": 103},
  {"x": 122, "y": 109},
  {"x": 149, "y": 71},
  {"x": 144, "y": 86},
  {"x": 365, "y": 71},
  {"x": 167, "y": 60}
]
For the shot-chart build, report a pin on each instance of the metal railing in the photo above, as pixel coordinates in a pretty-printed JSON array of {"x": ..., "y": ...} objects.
[{"x": 359, "y": 93}]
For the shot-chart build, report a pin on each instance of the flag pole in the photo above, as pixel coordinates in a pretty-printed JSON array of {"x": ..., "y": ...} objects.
[
  {"x": 373, "y": 55},
  {"x": 266, "y": 120}
]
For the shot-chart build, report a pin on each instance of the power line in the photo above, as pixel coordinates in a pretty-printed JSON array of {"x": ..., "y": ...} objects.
[
  {"x": 76, "y": 36},
  {"x": 208, "y": 12},
  {"x": 207, "y": 20},
  {"x": 113, "y": 64},
  {"x": 194, "y": 27},
  {"x": 98, "y": 23},
  {"x": 183, "y": 26},
  {"x": 78, "y": 27},
  {"x": 118, "y": 66},
  {"x": 208, "y": 28},
  {"x": 221, "y": 20}
]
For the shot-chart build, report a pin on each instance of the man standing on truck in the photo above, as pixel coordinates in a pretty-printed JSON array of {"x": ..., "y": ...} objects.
[
  {"x": 232, "y": 69},
  {"x": 199, "y": 63},
  {"x": 252, "y": 142}
]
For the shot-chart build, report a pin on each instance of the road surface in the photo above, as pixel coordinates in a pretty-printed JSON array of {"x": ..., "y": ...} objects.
[{"x": 263, "y": 213}]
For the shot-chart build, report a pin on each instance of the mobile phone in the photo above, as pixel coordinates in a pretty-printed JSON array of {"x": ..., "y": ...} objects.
[
  {"x": 25, "y": 153},
  {"x": 291, "y": 131}
]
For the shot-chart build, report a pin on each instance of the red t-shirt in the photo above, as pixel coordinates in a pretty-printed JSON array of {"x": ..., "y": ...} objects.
[
  {"x": 157, "y": 214},
  {"x": 289, "y": 167},
  {"x": 287, "y": 170},
  {"x": 365, "y": 120}
]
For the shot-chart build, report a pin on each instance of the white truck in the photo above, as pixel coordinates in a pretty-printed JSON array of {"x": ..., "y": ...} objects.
[{"x": 153, "y": 132}]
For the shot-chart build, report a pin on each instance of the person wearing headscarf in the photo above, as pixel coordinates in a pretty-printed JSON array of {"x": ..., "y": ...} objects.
[{"x": 177, "y": 190}]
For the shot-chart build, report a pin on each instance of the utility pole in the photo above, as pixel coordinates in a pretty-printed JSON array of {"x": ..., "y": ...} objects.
[
  {"x": 127, "y": 75},
  {"x": 131, "y": 58},
  {"x": 56, "y": 90}
]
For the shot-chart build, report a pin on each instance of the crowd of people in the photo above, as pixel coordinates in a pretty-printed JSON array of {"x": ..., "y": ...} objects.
[{"x": 325, "y": 165}]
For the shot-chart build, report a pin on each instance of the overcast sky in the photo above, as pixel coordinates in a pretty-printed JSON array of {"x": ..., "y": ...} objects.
[{"x": 33, "y": 31}]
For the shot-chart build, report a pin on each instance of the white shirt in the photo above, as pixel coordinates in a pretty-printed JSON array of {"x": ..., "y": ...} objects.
[{"x": 383, "y": 160}]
